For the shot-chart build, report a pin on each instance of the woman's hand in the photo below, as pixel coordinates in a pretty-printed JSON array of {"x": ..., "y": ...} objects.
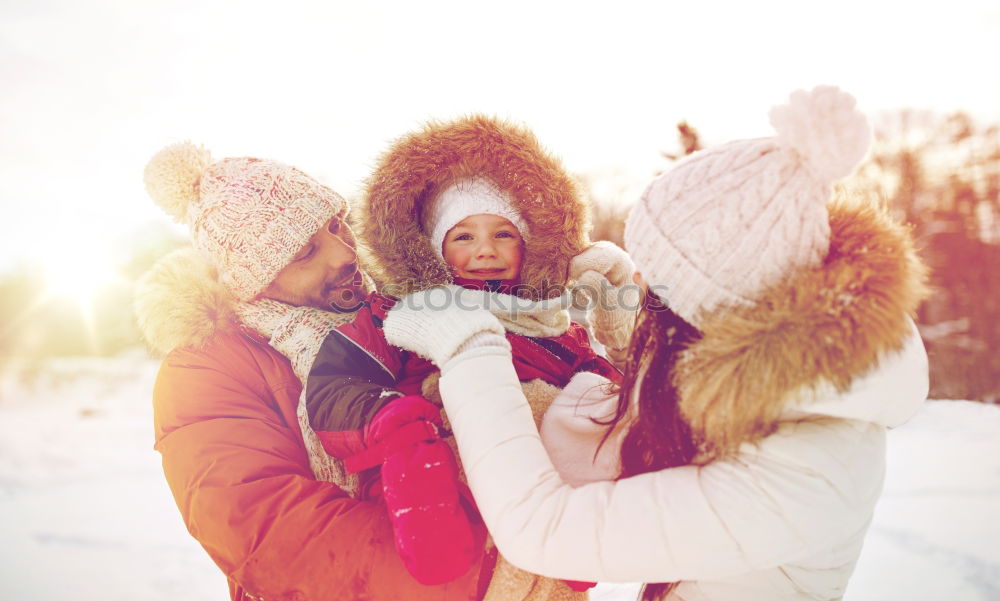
[
  {"x": 602, "y": 275},
  {"x": 440, "y": 322},
  {"x": 605, "y": 259}
]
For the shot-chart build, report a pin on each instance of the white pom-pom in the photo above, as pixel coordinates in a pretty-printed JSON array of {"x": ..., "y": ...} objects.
[
  {"x": 172, "y": 177},
  {"x": 825, "y": 129}
]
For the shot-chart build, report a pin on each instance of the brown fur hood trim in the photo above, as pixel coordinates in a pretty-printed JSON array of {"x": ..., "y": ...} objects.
[
  {"x": 418, "y": 165},
  {"x": 827, "y": 325},
  {"x": 180, "y": 302}
]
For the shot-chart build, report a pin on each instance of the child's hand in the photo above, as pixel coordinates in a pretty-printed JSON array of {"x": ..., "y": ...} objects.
[{"x": 437, "y": 533}]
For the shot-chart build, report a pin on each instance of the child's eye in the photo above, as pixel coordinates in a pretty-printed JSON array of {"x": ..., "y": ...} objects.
[
  {"x": 462, "y": 237},
  {"x": 504, "y": 235}
]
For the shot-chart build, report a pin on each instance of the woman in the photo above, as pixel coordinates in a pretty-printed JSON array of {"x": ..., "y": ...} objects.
[{"x": 774, "y": 351}]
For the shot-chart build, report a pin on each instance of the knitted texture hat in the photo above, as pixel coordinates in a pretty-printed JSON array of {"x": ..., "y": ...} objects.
[
  {"x": 727, "y": 223},
  {"x": 248, "y": 216},
  {"x": 474, "y": 196}
]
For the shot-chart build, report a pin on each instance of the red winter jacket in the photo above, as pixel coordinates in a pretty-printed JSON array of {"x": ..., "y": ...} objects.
[
  {"x": 355, "y": 368},
  {"x": 233, "y": 455}
]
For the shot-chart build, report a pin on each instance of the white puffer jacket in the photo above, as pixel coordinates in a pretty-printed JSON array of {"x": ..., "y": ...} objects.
[
  {"x": 783, "y": 519},
  {"x": 822, "y": 366}
]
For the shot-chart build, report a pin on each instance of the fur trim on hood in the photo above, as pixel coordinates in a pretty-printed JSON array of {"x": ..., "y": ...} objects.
[
  {"x": 821, "y": 327},
  {"x": 419, "y": 165},
  {"x": 180, "y": 302}
]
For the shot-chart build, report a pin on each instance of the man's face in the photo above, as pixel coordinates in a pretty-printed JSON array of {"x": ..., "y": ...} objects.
[{"x": 324, "y": 274}]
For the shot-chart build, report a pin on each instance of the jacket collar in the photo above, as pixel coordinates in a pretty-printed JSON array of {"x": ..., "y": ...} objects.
[{"x": 809, "y": 339}]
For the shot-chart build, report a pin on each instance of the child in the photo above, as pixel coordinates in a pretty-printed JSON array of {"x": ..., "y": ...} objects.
[
  {"x": 437, "y": 193},
  {"x": 474, "y": 234}
]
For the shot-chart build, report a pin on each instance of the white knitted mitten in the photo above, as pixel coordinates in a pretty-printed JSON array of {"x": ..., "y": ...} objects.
[
  {"x": 607, "y": 259},
  {"x": 439, "y": 322},
  {"x": 574, "y": 440},
  {"x": 603, "y": 276}
]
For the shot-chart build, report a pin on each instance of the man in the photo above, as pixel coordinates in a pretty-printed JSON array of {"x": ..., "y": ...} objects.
[{"x": 236, "y": 449}]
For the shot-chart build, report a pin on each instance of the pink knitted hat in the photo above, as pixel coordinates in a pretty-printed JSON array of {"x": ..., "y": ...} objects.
[
  {"x": 727, "y": 223},
  {"x": 248, "y": 216}
]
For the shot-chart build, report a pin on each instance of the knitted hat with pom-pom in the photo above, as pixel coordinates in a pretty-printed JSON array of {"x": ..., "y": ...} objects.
[
  {"x": 248, "y": 216},
  {"x": 727, "y": 223}
]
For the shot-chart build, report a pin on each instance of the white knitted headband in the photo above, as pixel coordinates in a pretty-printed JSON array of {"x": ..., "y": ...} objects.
[{"x": 475, "y": 196}]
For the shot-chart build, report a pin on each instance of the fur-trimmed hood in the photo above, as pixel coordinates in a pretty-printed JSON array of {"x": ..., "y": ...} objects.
[
  {"x": 812, "y": 345},
  {"x": 418, "y": 165},
  {"x": 180, "y": 302}
]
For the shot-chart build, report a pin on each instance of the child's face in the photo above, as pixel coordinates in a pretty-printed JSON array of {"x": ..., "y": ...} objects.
[{"x": 484, "y": 247}]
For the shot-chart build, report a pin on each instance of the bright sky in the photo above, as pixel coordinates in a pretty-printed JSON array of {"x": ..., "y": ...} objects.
[{"x": 90, "y": 90}]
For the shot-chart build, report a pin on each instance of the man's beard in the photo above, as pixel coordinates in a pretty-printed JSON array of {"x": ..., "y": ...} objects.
[{"x": 345, "y": 298}]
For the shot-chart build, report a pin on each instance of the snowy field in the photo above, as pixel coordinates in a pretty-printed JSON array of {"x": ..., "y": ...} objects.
[{"x": 86, "y": 514}]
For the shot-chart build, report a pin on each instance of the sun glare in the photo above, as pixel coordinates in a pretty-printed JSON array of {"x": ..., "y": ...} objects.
[{"x": 79, "y": 272}]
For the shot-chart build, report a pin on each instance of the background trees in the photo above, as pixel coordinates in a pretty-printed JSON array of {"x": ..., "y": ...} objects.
[{"x": 942, "y": 175}]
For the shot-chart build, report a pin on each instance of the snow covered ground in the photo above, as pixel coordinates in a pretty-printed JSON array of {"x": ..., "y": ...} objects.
[{"x": 86, "y": 515}]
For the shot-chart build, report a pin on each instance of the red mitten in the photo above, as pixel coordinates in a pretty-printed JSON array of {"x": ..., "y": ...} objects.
[
  {"x": 579, "y": 586},
  {"x": 435, "y": 535}
]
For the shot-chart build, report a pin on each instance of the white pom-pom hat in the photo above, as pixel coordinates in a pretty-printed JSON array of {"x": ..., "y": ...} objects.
[
  {"x": 727, "y": 223},
  {"x": 248, "y": 216}
]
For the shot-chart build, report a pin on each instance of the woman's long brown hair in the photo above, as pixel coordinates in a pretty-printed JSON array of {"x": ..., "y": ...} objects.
[{"x": 659, "y": 437}]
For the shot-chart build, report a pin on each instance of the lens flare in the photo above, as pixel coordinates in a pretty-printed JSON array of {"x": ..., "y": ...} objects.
[{"x": 80, "y": 274}]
